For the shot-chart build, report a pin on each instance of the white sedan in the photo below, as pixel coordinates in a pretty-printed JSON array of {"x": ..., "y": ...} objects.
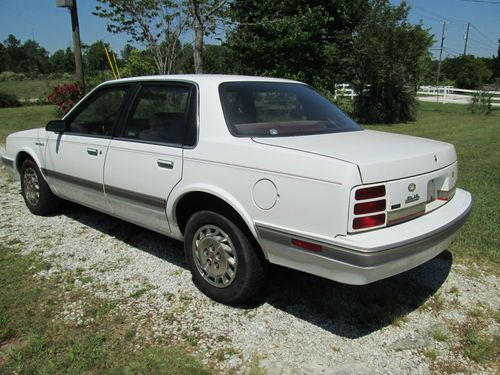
[{"x": 247, "y": 171}]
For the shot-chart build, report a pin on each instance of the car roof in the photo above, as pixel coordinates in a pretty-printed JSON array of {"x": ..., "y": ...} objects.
[{"x": 202, "y": 79}]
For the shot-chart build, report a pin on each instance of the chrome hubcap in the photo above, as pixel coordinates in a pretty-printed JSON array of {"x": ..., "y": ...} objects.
[
  {"x": 31, "y": 186},
  {"x": 214, "y": 256}
]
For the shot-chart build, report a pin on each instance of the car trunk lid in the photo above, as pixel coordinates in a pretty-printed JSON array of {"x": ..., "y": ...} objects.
[{"x": 379, "y": 156}]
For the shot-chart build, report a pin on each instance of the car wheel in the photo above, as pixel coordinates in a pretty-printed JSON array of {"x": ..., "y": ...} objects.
[
  {"x": 224, "y": 262},
  {"x": 37, "y": 194}
]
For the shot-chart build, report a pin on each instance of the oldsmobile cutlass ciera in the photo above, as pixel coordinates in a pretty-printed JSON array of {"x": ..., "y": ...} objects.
[{"x": 247, "y": 171}]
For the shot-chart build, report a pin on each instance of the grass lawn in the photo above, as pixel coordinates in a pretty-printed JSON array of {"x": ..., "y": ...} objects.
[
  {"x": 22, "y": 118},
  {"x": 35, "y": 339},
  {"x": 477, "y": 141},
  {"x": 30, "y": 89}
]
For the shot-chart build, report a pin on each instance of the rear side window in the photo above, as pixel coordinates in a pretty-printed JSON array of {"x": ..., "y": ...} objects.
[
  {"x": 273, "y": 109},
  {"x": 159, "y": 114}
]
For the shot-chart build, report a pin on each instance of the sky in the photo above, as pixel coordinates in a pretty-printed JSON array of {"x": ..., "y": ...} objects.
[{"x": 50, "y": 26}]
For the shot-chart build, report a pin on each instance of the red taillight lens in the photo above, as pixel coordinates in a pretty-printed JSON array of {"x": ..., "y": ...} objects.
[
  {"x": 371, "y": 192},
  {"x": 369, "y": 207},
  {"x": 368, "y": 221},
  {"x": 306, "y": 245}
]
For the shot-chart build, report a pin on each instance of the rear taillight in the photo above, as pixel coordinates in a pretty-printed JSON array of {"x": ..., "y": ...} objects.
[
  {"x": 368, "y": 221},
  {"x": 370, "y": 193},
  {"x": 369, "y": 207}
]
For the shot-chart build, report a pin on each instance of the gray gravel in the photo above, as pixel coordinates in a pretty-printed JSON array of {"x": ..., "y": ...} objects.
[{"x": 300, "y": 324}]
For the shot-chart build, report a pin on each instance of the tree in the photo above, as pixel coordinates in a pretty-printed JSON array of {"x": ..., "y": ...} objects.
[
  {"x": 3, "y": 58},
  {"x": 156, "y": 24},
  {"x": 216, "y": 59},
  {"x": 138, "y": 64},
  {"x": 34, "y": 58},
  {"x": 389, "y": 55},
  {"x": 95, "y": 56},
  {"x": 62, "y": 61},
  {"x": 296, "y": 39},
  {"x": 13, "y": 53},
  {"x": 468, "y": 72},
  {"x": 125, "y": 52},
  {"x": 204, "y": 15},
  {"x": 160, "y": 25}
]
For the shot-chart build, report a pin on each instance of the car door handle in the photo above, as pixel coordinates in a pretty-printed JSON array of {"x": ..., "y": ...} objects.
[
  {"x": 168, "y": 164},
  {"x": 92, "y": 151}
]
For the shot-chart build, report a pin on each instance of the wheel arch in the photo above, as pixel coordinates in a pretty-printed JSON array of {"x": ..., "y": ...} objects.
[
  {"x": 24, "y": 154},
  {"x": 193, "y": 200}
]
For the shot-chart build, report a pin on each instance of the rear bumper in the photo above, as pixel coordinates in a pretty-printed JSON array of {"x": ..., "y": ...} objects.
[{"x": 367, "y": 257}]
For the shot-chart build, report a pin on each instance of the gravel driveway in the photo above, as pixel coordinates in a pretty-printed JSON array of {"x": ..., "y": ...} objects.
[{"x": 300, "y": 324}]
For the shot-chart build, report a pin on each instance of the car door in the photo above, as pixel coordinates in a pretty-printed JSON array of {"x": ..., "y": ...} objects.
[
  {"x": 75, "y": 158},
  {"x": 144, "y": 161}
]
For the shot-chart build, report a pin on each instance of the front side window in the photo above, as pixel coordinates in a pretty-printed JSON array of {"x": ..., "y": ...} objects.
[
  {"x": 159, "y": 114},
  {"x": 273, "y": 109},
  {"x": 99, "y": 114}
]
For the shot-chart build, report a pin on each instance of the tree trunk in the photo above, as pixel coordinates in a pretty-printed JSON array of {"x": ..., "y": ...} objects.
[{"x": 198, "y": 46}]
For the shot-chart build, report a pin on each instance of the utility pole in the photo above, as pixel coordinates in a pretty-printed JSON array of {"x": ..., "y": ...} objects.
[
  {"x": 439, "y": 62},
  {"x": 77, "y": 48},
  {"x": 466, "y": 39}
]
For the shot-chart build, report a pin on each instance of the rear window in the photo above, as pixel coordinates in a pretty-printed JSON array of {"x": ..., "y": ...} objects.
[{"x": 273, "y": 109}]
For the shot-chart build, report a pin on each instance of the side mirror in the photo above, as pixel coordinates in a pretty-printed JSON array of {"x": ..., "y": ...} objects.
[{"x": 57, "y": 126}]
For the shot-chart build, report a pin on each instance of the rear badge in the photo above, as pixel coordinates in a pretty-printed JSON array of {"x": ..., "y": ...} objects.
[
  {"x": 411, "y": 198},
  {"x": 412, "y": 187}
]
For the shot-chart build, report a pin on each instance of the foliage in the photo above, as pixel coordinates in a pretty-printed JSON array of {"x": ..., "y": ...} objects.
[
  {"x": 160, "y": 25},
  {"x": 62, "y": 61},
  {"x": 65, "y": 97},
  {"x": 203, "y": 18},
  {"x": 295, "y": 39},
  {"x": 26, "y": 57},
  {"x": 8, "y": 100},
  {"x": 96, "y": 78},
  {"x": 11, "y": 76},
  {"x": 95, "y": 57},
  {"x": 138, "y": 64},
  {"x": 387, "y": 63},
  {"x": 157, "y": 24},
  {"x": 481, "y": 103},
  {"x": 468, "y": 72}
]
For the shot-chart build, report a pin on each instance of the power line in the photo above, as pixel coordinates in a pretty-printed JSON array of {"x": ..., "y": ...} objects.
[{"x": 484, "y": 36}]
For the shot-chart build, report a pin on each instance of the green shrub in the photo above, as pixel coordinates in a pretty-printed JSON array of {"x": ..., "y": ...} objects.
[
  {"x": 8, "y": 100},
  {"x": 481, "y": 103},
  {"x": 11, "y": 76}
]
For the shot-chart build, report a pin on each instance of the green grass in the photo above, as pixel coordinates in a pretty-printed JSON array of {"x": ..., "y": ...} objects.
[
  {"x": 30, "y": 89},
  {"x": 22, "y": 118},
  {"x": 34, "y": 339},
  {"x": 481, "y": 348},
  {"x": 477, "y": 141}
]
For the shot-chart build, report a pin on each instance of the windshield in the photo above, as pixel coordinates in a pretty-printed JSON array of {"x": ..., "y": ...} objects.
[{"x": 274, "y": 109}]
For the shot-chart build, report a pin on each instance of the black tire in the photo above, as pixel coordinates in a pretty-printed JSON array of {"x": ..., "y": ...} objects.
[
  {"x": 46, "y": 202},
  {"x": 250, "y": 267}
]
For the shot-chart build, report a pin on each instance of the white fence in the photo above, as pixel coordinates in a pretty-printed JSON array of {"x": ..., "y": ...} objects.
[
  {"x": 449, "y": 94},
  {"x": 440, "y": 94}
]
